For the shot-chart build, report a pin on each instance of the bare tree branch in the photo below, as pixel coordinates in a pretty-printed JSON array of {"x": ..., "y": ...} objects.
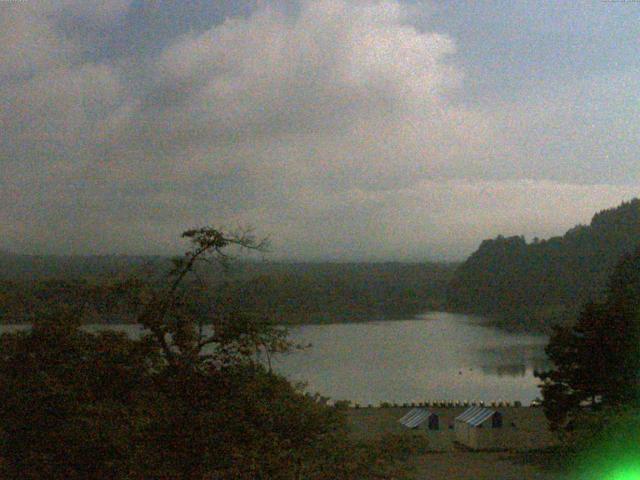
[{"x": 208, "y": 244}]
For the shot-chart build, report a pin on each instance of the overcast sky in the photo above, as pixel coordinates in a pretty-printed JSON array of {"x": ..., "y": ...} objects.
[{"x": 341, "y": 129}]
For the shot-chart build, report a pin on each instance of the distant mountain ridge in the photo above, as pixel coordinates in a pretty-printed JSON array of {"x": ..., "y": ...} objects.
[{"x": 533, "y": 285}]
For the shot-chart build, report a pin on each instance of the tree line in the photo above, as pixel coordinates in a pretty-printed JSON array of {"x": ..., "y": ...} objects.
[
  {"x": 535, "y": 285},
  {"x": 291, "y": 293},
  {"x": 591, "y": 395}
]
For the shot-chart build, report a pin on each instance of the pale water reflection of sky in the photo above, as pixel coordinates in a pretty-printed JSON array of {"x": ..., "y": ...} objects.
[{"x": 441, "y": 356}]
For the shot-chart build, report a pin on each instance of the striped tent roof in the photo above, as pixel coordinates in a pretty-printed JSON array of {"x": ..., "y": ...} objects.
[
  {"x": 415, "y": 417},
  {"x": 474, "y": 416}
]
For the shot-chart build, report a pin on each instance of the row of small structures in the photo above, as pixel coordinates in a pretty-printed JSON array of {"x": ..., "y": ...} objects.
[
  {"x": 445, "y": 404},
  {"x": 477, "y": 428}
]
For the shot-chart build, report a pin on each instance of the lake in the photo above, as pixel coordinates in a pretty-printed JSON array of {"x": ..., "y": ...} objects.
[{"x": 436, "y": 356}]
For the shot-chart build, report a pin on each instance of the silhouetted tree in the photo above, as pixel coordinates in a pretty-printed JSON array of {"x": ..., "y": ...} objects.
[{"x": 597, "y": 361}]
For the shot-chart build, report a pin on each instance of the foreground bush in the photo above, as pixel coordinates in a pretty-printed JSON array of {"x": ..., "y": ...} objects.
[{"x": 175, "y": 404}]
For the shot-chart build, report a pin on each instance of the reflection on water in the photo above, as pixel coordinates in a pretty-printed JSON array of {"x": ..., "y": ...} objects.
[
  {"x": 514, "y": 370},
  {"x": 512, "y": 360},
  {"x": 439, "y": 356}
]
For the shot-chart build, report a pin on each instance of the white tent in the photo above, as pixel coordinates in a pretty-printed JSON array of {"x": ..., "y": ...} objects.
[
  {"x": 420, "y": 417},
  {"x": 480, "y": 428}
]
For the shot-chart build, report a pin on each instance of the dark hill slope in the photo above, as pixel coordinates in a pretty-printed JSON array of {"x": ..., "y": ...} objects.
[{"x": 532, "y": 285}]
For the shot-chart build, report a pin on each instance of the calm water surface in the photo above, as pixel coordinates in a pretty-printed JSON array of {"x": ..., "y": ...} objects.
[{"x": 438, "y": 356}]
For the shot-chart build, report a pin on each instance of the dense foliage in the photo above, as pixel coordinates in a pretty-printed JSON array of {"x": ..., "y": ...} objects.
[
  {"x": 597, "y": 360},
  {"x": 71, "y": 401},
  {"x": 534, "y": 285},
  {"x": 179, "y": 403},
  {"x": 289, "y": 292},
  {"x": 342, "y": 292}
]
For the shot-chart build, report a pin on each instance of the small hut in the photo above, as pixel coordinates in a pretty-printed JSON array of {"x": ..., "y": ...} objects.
[
  {"x": 480, "y": 428},
  {"x": 420, "y": 418}
]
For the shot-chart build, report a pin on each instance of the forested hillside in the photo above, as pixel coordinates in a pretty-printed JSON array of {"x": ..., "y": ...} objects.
[
  {"x": 46, "y": 267},
  {"x": 533, "y": 285},
  {"x": 331, "y": 292},
  {"x": 288, "y": 292}
]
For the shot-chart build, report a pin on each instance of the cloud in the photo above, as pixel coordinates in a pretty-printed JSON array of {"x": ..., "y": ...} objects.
[
  {"x": 31, "y": 42},
  {"x": 341, "y": 78},
  {"x": 336, "y": 126},
  {"x": 35, "y": 38},
  {"x": 99, "y": 11},
  {"x": 442, "y": 219}
]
